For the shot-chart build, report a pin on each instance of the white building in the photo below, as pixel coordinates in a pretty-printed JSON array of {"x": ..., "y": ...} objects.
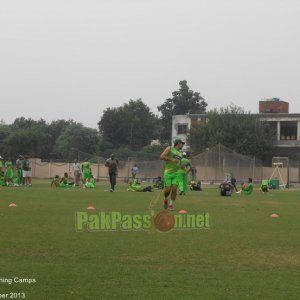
[{"x": 286, "y": 125}]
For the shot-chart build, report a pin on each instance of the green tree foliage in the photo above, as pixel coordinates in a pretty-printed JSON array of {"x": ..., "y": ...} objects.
[
  {"x": 45, "y": 141},
  {"x": 27, "y": 136},
  {"x": 5, "y": 130},
  {"x": 182, "y": 102},
  {"x": 235, "y": 129},
  {"x": 131, "y": 125},
  {"x": 76, "y": 140}
]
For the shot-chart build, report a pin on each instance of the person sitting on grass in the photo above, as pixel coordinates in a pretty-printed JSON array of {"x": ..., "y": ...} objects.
[
  {"x": 264, "y": 187},
  {"x": 247, "y": 188},
  {"x": 158, "y": 183},
  {"x": 64, "y": 182},
  {"x": 90, "y": 182},
  {"x": 2, "y": 179},
  {"x": 55, "y": 181},
  {"x": 196, "y": 186},
  {"x": 135, "y": 186}
]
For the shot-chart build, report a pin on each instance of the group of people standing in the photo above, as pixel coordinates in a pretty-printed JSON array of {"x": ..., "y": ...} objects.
[
  {"x": 15, "y": 174},
  {"x": 84, "y": 172}
]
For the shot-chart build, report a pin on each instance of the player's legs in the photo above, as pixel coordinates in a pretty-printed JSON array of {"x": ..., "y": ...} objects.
[
  {"x": 181, "y": 183},
  {"x": 19, "y": 176},
  {"x": 112, "y": 179},
  {"x": 85, "y": 176},
  {"x": 171, "y": 183},
  {"x": 167, "y": 188}
]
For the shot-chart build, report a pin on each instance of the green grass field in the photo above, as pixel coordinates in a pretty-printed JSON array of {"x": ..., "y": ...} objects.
[{"x": 245, "y": 254}]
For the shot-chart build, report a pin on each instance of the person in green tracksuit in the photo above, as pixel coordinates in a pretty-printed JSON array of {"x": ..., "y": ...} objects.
[
  {"x": 9, "y": 173},
  {"x": 264, "y": 187},
  {"x": 135, "y": 186},
  {"x": 64, "y": 182},
  {"x": 171, "y": 156},
  {"x": 90, "y": 182},
  {"x": 86, "y": 171},
  {"x": 2, "y": 179},
  {"x": 247, "y": 188},
  {"x": 185, "y": 168},
  {"x": 19, "y": 163}
]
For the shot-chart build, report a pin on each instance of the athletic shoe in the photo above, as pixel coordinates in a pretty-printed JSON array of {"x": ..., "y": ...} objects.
[
  {"x": 165, "y": 203},
  {"x": 111, "y": 190},
  {"x": 170, "y": 207}
]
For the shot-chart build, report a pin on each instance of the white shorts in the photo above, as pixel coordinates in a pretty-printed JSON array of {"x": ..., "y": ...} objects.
[{"x": 26, "y": 174}]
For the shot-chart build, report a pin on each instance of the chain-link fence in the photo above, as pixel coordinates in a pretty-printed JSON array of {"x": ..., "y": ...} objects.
[
  {"x": 147, "y": 170},
  {"x": 214, "y": 163},
  {"x": 212, "y": 166}
]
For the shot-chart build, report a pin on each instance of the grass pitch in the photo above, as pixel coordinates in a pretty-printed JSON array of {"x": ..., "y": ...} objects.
[{"x": 245, "y": 254}]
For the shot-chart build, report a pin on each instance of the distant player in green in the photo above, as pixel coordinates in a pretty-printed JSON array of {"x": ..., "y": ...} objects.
[
  {"x": 247, "y": 188},
  {"x": 90, "y": 182},
  {"x": 264, "y": 187},
  {"x": 9, "y": 173},
  {"x": 135, "y": 186},
  {"x": 86, "y": 171},
  {"x": 185, "y": 168},
  {"x": 2, "y": 179},
  {"x": 19, "y": 178},
  {"x": 64, "y": 182},
  {"x": 172, "y": 156},
  {"x": 26, "y": 169}
]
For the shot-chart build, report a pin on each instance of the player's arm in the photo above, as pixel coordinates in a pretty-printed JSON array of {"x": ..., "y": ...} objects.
[{"x": 165, "y": 155}]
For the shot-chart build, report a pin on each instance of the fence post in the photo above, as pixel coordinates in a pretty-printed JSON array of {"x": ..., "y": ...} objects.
[
  {"x": 50, "y": 168},
  {"x": 98, "y": 169},
  {"x": 253, "y": 168},
  {"x": 128, "y": 168}
]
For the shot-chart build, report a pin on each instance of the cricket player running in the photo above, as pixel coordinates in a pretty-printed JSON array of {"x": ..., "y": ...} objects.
[{"x": 172, "y": 156}]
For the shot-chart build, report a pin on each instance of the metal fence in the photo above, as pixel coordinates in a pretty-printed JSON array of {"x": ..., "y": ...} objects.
[{"x": 212, "y": 165}]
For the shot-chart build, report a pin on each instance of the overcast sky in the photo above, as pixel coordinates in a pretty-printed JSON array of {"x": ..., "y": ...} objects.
[{"x": 74, "y": 58}]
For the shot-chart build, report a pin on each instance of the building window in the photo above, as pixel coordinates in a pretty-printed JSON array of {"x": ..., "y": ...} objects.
[
  {"x": 182, "y": 129},
  {"x": 288, "y": 130}
]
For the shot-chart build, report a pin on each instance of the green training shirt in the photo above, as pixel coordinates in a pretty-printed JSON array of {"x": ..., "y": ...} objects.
[
  {"x": 86, "y": 166},
  {"x": 171, "y": 167}
]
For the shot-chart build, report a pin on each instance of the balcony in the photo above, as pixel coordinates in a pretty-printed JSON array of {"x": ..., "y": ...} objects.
[{"x": 287, "y": 143}]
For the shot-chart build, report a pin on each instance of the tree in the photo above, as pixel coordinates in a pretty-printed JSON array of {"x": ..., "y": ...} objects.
[
  {"x": 27, "y": 136},
  {"x": 77, "y": 141},
  {"x": 184, "y": 101},
  {"x": 131, "y": 125},
  {"x": 235, "y": 129},
  {"x": 5, "y": 130}
]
